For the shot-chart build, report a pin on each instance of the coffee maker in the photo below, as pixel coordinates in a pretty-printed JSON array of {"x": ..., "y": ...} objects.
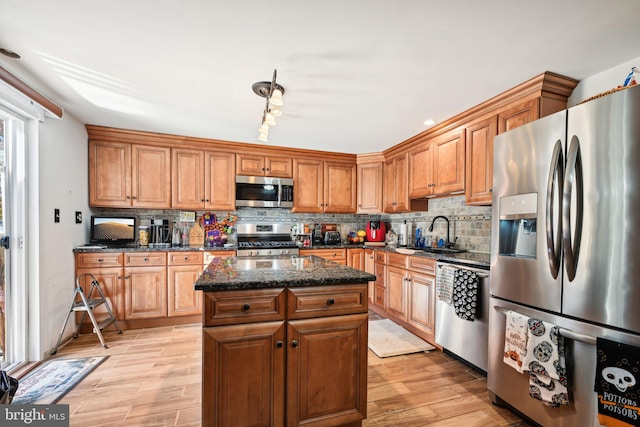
[{"x": 160, "y": 235}]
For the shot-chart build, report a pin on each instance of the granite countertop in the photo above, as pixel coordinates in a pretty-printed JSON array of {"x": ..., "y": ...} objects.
[{"x": 274, "y": 272}]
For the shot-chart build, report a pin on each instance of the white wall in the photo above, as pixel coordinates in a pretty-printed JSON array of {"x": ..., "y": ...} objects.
[
  {"x": 602, "y": 82},
  {"x": 63, "y": 182}
]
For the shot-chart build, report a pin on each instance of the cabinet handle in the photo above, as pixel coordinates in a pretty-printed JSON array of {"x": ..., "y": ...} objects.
[
  {"x": 134, "y": 197},
  {"x": 246, "y": 307},
  {"x": 128, "y": 197},
  {"x": 186, "y": 258},
  {"x": 100, "y": 259},
  {"x": 294, "y": 344},
  {"x": 206, "y": 200},
  {"x": 279, "y": 344},
  {"x": 146, "y": 259},
  {"x": 331, "y": 301},
  {"x": 202, "y": 200},
  {"x": 126, "y": 277}
]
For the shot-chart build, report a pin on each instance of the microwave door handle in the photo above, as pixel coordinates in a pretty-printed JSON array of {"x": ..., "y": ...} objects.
[
  {"x": 279, "y": 193},
  {"x": 554, "y": 248},
  {"x": 573, "y": 177}
]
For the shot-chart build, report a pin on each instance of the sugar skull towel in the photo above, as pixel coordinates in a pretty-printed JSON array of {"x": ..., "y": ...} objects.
[{"x": 616, "y": 382}]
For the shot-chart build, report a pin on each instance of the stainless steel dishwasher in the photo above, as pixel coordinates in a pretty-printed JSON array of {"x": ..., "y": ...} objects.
[{"x": 465, "y": 339}]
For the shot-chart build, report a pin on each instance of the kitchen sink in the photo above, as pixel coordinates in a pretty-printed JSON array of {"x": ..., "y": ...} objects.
[{"x": 444, "y": 250}]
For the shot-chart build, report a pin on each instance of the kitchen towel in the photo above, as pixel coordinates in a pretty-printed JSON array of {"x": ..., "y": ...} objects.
[
  {"x": 617, "y": 374},
  {"x": 546, "y": 364},
  {"x": 444, "y": 283},
  {"x": 515, "y": 340},
  {"x": 465, "y": 293}
]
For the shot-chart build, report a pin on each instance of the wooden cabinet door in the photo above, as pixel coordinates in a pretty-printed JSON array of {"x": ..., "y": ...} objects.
[
  {"x": 145, "y": 292},
  {"x": 248, "y": 164},
  {"x": 278, "y": 166},
  {"x": 479, "y": 161},
  {"x": 220, "y": 181},
  {"x": 322, "y": 353},
  {"x": 422, "y": 303},
  {"x": 389, "y": 186},
  {"x": 150, "y": 177},
  {"x": 518, "y": 115},
  {"x": 182, "y": 299},
  {"x": 396, "y": 300},
  {"x": 370, "y": 267},
  {"x": 109, "y": 174},
  {"x": 340, "y": 187},
  {"x": 356, "y": 258},
  {"x": 111, "y": 284},
  {"x": 448, "y": 162},
  {"x": 308, "y": 180},
  {"x": 421, "y": 170},
  {"x": 369, "y": 192},
  {"x": 187, "y": 177},
  {"x": 396, "y": 184},
  {"x": 245, "y": 372}
]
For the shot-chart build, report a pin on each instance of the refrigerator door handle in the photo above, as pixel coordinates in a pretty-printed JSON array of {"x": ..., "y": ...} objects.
[
  {"x": 573, "y": 177},
  {"x": 556, "y": 177}
]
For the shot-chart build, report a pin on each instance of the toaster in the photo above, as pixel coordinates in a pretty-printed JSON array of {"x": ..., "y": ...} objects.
[{"x": 332, "y": 238}]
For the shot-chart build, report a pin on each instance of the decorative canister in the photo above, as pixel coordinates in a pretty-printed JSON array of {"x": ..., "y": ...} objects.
[{"x": 143, "y": 235}]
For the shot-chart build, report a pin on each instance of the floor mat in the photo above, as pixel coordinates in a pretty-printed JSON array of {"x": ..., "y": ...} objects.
[
  {"x": 387, "y": 338},
  {"x": 53, "y": 379}
]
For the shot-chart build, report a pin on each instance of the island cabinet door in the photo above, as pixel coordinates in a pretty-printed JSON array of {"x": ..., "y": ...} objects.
[
  {"x": 327, "y": 370},
  {"x": 243, "y": 375}
]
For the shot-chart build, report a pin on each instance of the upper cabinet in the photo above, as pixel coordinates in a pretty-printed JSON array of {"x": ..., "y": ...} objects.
[
  {"x": 370, "y": 178},
  {"x": 395, "y": 193},
  {"x": 255, "y": 165},
  {"x": 324, "y": 186},
  {"x": 203, "y": 179},
  {"x": 479, "y": 163},
  {"x": 436, "y": 166},
  {"x": 124, "y": 175}
]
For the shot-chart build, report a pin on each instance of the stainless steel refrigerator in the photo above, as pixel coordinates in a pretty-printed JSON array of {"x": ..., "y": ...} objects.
[{"x": 565, "y": 243}]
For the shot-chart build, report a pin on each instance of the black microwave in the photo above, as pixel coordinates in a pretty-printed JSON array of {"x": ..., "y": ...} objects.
[{"x": 264, "y": 192}]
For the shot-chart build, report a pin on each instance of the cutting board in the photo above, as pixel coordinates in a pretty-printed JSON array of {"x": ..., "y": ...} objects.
[{"x": 196, "y": 235}]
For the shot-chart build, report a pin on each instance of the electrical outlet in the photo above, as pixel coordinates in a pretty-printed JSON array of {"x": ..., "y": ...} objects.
[
  {"x": 78, "y": 217},
  {"x": 56, "y": 215}
]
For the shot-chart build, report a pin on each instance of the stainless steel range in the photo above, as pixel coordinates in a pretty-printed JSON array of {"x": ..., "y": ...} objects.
[{"x": 265, "y": 239}]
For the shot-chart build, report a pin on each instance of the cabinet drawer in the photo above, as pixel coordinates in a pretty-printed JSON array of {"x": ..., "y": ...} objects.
[
  {"x": 210, "y": 255},
  {"x": 232, "y": 307},
  {"x": 98, "y": 259},
  {"x": 141, "y": 259},
  {"x": 330, "y": 254},
  {"x": 303, "y": 303},
  {"x": 398, "y": 260},
  {"x": 422, "y": 264},
  {"x": 380, "y": 257},
  {"x": 184, "y": 258}
]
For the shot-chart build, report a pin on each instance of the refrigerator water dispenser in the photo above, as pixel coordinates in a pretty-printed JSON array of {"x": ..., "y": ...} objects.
[{"x": 518, "y": 225}]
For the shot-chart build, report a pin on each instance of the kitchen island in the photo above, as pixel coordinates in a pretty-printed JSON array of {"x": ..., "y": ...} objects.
[{"x": 284, "y": 342}]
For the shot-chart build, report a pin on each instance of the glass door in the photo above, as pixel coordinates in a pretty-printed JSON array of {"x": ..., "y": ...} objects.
[
  {"x": 13, "y": 295},
  {"x": 3, "y": 308}
]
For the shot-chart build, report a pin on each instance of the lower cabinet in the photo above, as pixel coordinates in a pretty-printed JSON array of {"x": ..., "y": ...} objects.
[
  {"x": 145, "y": 292},
  {"x": 338, "y": 255},
  {"x": 147, "y": 288},
  {"x": 275, "y": 357},
  {"x": 407, "y": 293}
]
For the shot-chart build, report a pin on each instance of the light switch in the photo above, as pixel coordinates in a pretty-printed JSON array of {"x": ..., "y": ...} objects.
[
  {"x": 56, "y": 215},
  {"x": 78, "y": 217}
]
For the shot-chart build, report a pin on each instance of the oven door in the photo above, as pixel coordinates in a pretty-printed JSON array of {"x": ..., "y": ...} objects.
[{"x": 266, "y": 192}]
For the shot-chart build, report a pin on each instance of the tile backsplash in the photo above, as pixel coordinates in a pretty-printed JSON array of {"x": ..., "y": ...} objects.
[{"x": 470, "y": 224}]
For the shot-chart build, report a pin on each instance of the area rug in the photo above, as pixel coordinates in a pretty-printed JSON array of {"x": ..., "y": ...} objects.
[
  {"x": 387, "y": 338},
  {"x": 53, "y": 379}
]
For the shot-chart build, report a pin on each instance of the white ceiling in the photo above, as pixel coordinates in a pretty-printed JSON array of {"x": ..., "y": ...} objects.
[{"x": 360, "y": 75}]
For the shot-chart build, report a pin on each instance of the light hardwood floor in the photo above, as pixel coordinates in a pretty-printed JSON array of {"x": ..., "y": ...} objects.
[{"x": 152, "y": 378}]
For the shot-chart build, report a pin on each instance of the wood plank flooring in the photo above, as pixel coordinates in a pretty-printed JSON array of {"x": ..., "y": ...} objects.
[{"x": 153, "y": 378}]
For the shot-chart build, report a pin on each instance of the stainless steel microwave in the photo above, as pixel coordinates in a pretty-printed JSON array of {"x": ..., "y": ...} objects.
[{"x": 264, "y": 192}]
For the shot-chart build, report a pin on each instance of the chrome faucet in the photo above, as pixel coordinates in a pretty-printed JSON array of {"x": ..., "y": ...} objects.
[{"x": 448, "y": 243}]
